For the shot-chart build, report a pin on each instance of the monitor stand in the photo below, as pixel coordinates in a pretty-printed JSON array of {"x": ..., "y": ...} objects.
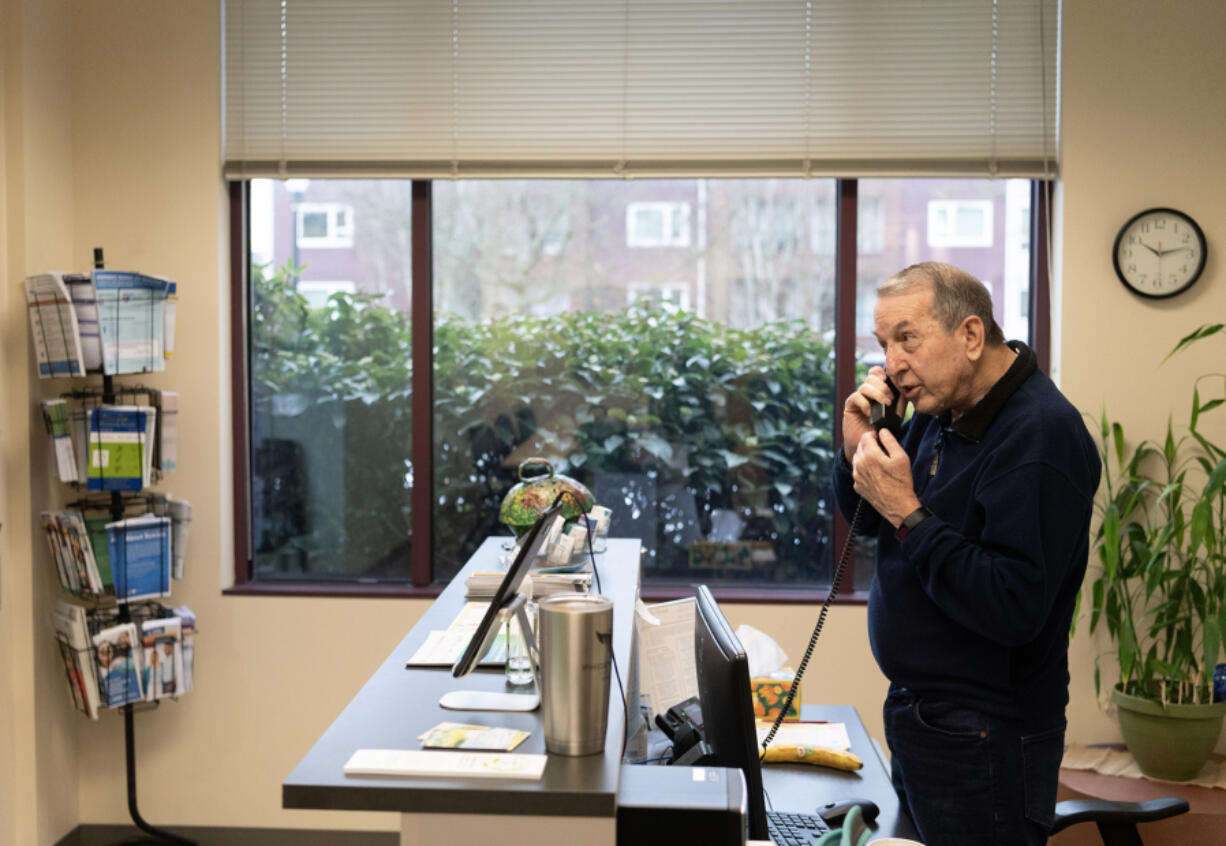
[{"x": 492, "y": 700}]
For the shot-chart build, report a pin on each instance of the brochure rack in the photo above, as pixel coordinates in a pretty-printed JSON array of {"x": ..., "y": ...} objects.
[{"x": 118, "y": 504}]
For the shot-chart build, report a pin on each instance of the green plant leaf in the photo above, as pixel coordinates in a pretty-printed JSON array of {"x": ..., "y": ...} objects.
[
  {"x": 1215, "y": 483},
  {"x": 1117, "y": 436},
  {"x": 1127, "y": 650},
  {"x": 1200, "y": 526},
  {"x": 1212, "y": 644},
  {"x": 1111, "y": 541},
  {"x": 1200, "y": 333}
]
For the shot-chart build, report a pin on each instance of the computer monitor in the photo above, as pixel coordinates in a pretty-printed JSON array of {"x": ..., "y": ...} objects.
[
  {"x": 506, "y": 599},
  {"x": 727, "y": 704}
]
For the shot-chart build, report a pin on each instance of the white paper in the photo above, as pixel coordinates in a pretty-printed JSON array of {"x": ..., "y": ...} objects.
[
  {"x": 131, "y": 318},
  {"x": 825, "y": 735},
  {"x": 666, "y": 653},
  {"x": 53, "y": 326}
]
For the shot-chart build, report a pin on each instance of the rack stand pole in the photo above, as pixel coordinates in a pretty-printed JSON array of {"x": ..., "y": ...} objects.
[{"x": 125, "y": 616}]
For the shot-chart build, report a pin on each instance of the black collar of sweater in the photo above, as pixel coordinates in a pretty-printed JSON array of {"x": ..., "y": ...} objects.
[{"x": 973, "y": 425}]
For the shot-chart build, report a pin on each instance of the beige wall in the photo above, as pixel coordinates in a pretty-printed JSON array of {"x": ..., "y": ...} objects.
[
  {"x": 1142, "y": 126},
  {"x": 39, "y": 785},
  {"x": 111, "y": 138}
]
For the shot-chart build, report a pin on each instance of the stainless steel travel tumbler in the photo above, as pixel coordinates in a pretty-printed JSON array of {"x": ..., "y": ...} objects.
[{"x": 576, "y": 637}]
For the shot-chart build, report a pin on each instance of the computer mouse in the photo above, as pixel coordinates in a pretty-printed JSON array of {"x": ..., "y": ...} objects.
[{"x": 834, "y": 811}]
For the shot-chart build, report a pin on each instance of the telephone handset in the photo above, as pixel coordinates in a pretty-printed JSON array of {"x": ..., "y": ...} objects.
[
  {"x": 881, "y": 417},
  {"x": 884, "y": 416}
]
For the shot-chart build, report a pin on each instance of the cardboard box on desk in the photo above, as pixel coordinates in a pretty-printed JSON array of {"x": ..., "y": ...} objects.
[{"x": 769, "y": 694}]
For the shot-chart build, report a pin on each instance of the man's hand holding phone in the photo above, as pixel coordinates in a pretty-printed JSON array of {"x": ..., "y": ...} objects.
[
  {"x": 881, "y": 469},
  {"x": 858, "y": 411}
]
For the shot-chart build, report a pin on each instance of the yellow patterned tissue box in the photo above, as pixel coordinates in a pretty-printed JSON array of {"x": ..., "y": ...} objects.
[{"x": 769, "y": 694}]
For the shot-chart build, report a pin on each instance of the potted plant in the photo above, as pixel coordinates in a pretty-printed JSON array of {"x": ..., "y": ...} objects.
[{"x": 1161, "y": 588}]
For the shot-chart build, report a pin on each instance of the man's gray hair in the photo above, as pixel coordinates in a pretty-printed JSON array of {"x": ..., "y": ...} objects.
[{"x": 956, "y": 295}]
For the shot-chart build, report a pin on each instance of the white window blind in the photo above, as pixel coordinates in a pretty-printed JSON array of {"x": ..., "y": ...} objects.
[{"x": 640, "y": 87}]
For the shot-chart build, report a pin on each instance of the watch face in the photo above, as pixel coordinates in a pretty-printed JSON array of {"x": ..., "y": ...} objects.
[{"x": 1159, "y": 253}]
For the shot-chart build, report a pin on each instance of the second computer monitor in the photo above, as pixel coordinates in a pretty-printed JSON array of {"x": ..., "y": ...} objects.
[{"x": 727, "y": 704}]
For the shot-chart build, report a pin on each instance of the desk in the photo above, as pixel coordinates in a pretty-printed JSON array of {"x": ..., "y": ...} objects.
[{"x": 576, "y": 799}]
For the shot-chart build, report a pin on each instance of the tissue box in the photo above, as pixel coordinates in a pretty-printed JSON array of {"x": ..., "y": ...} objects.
[{"x": 769, "y": 694}]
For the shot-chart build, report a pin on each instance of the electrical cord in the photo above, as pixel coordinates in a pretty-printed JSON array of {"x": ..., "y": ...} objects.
[{"x": 607, "y": 639}]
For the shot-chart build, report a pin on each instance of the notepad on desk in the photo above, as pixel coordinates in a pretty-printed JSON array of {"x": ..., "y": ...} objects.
[
  {"x": 826, "y": 735},
  {"x": 435, "y": 763}
]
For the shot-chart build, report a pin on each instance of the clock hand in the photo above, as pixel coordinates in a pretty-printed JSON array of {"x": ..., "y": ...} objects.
[
  {"x": 1162, "y": 253},
  {"x": 1151, "y": 249}
]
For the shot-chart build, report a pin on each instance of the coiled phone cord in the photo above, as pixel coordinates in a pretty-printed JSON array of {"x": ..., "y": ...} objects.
[{"x": 835, "y": 581}]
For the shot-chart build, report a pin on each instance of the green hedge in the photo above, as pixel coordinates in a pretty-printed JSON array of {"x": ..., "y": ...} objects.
[{"x": 706, "y": 416}]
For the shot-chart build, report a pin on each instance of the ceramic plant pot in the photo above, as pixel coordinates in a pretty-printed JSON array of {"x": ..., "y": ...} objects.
[{"x": 1171, "y": 742}]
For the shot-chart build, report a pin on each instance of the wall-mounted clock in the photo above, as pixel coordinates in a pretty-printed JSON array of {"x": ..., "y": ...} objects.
[{"x": 1159, "y": 253}]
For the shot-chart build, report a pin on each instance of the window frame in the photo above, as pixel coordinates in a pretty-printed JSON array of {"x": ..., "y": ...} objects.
[{"x": 422, "y": 401}]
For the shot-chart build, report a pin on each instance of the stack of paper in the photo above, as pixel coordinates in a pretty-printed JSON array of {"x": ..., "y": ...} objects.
[
  {"x": 167, "y": 445},
  {"x": 448, "y": 735},
  {"x": 131, "y": 320},
  {"x": 53, "y": 324},
  {"x": 55, "y": 418},
  {"x": 120, "y": 447},
  {"x": 72, "y": 552},
  {"x": 78, "y": 653},
  {"x": 162, "y": 640},
  {"x": 188, "y": 620},
  {"x": 139, "y": 549},
  {"x": 538, "y": 583},
  {"x": 85, "y": 304},
  {"x": 120, "y": 665}
]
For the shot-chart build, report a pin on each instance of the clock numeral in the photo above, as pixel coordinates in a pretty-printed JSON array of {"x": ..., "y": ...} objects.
[
  {"x": 1160, "y": 223},
  {"x": 1132, "y": 268}
]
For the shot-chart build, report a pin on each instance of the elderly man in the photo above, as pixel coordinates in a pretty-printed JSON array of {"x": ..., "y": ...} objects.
[{"x": 981, "y": 508}]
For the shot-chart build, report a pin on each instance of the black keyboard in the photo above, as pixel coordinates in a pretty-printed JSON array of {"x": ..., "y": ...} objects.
[{"x": 794, "y": 829}]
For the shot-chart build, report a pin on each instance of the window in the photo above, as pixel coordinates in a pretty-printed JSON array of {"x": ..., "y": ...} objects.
[
  {"x": 960, "y": 223},
  {"x": 693, "y": 391},
  {"x": 643, "y": 292},
  {"x": 316, "y": 293},
  {"x": 658, "y": 225},
  {"x": 324, "y": 225}
]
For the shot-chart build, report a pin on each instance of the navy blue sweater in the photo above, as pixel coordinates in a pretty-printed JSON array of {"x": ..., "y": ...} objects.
[{"x": 974, "y": 604}]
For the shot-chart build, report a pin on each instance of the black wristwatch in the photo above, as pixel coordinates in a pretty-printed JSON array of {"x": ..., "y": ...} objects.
[{"x": 911, "y": 521}]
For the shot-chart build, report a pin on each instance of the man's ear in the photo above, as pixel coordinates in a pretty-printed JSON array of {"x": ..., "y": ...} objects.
[{"x": 973, "y": 337}]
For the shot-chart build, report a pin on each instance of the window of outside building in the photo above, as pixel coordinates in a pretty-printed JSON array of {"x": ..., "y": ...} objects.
[
  {"x": 657, "y": 224},
  {"x": 960, "y": 223},
  {"x": 324, "y": 225},
  {"x": 692, "y": 391},
  {"x": 317, "y": 292},
  {"x": 676, "y": 293}
]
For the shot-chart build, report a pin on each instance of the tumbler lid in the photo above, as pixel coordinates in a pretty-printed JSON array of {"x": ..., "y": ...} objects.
[{"x": 587, "y": 603}]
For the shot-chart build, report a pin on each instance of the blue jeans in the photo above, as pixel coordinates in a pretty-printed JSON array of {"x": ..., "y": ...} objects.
[{"x": 970, "y": 779}]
